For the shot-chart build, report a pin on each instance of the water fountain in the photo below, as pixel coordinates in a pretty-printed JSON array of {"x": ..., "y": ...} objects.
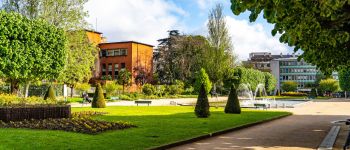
[{"x": 248, "y": 98}]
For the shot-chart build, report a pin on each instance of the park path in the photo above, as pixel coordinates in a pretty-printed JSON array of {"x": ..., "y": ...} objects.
[{"x": 303, "y": 130}]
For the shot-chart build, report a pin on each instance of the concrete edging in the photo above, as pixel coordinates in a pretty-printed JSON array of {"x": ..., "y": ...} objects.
[{"x": 220, "y": 132}]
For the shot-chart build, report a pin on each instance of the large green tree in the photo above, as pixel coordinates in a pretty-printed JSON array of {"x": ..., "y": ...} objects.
[
  {"x": 69, "y": 15},
  {"x": 219, "y": 56},
  {"x": 30, "y": 49},
  {"x": 270, "y": 82},
  {"x": 329, "y": 85},
  {"x": 124, "y": 78},
  {"x": 307, "y": 25},
  {"x": 344, "y": 80},
  {"x": 81, "y": 58}
]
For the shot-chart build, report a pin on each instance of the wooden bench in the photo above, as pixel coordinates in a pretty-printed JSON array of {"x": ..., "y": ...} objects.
[
  {"x": 260, "y": 106},
  {"x": 142, "y": 102}
]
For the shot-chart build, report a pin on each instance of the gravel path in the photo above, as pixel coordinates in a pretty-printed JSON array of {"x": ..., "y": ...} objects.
[{"x": 303, "y": 130}]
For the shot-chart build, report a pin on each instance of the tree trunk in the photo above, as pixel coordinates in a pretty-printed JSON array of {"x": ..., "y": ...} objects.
[
  {"x": 71, "y": 91},
  {"x": 27, "y": 89},
  {"x": 345, "y": 94},
  {"x": 123, "y": 89},
  {"x": 14, "y": 86}
]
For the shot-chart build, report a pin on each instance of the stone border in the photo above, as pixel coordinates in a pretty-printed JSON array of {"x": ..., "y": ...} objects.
[{"x": 220, "y": 132}]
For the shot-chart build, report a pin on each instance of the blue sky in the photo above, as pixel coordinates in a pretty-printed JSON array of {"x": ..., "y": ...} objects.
[{"x": 149, "y": 20}]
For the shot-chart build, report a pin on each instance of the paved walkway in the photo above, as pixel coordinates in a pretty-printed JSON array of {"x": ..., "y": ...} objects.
[
  {"x": 303, "y": 130},
  {"x": 156, "y": 102}
]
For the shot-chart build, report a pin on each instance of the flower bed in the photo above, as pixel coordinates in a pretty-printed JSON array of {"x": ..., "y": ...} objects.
[{"x": 22, "y": 112}]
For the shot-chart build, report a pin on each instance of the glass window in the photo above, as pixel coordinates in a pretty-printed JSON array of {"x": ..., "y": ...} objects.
[
  {"x": 122, "y": 65},
  {"x": 116, "y": 52},
  {"x": 109, "y": 69},
  {"x": 116, "y": 71},
  {"x": 110, "y": 53},
  {"x": 103, "y": 69}
]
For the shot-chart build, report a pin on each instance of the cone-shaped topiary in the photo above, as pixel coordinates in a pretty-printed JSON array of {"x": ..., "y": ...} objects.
[
  {"x": 232, "y": 105},
  {"x": 50, "y": 94},
  {"x": 202, "y": 105},
  {"x": 98, "y": 100}
]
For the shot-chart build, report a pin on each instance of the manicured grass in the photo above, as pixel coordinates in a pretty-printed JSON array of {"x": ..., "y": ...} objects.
[
  {"x": 156, "y": 126},
  {"x": 294, "y": 97}
]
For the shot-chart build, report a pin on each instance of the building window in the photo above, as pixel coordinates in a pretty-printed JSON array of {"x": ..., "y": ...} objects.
[
  {"x": 109, "y": 69},
  {"x": 103, "y": 69},
  {"x": 110, "y": 53},
  {"x": 116, "y": 71},
  {"x": 123, "y": 65},
  {"x": 268, "y": 65},
  {"x": 114, "y": 52}
]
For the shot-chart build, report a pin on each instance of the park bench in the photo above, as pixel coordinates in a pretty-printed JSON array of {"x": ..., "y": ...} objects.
[
  {"x": 142, "y": 102},
  {"x": 260, "y": 106}
]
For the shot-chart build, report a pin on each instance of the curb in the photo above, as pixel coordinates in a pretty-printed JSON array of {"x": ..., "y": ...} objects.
[{"x": 178, "y": 143}]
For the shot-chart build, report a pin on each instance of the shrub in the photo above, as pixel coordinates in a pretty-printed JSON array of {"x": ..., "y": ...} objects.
[
  {"x": 202, "y": 78},
  {"x": 293, "y": 94},
  {"x": 270, "y": 82},
  {"x": 289, "y": 86},
  {"x": 13, "y": 100},
  {"x": 189, "y": 91},
  {"x": 111, "y": 88},
  {"x": 161, "y": 90},
  {"x": 50, "y": 94},
  {"x": 233, "y": 106},
  {"x": 124, "y": 97},
  {"x": 149, "y": 89},
  {"x": 82, "y": 87},
  {"x": 175, "y": 89},
  {"x": 98, "y": 100},
  {"x": 202, "y": 105}
]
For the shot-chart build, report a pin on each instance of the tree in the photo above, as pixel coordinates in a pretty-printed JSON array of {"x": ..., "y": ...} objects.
[
  {"x": 219, "y": 56},
  {"x": 67, "y": 14},
  {"x": 289, "y": 86},
  {"x": 70, "y": 16},
  {"x": 313, "y": 93},
  {"x": 233, "y": 106},
  {"x": 329, "y": 85},
  {"x": 251, "y": 76},
  {"x": 344, "y": 80},
  {"x": 50, "y": 94},
  {"x": 307, "y": 25},
  {"x": 124, "y": 78},
  {"x": 270, "y": 82},
  {"x": 80, "y": 61},
  {"x": 202, "y": 78},
  {"x": 111, "y": 88},
  {"x": 82, "y": 87},
  {"x": 30, "y": 49},
  {"x": 202, "y": 106}
]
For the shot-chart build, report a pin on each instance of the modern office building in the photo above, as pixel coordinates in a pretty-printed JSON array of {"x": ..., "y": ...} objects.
[
  {"x": 128, "y": 55},
  {"x": 115, "y": 56},
  {"x": 262, "y": 60}
]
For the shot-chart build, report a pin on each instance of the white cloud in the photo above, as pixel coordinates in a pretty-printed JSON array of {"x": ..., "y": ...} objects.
[
  {"x": 144, "y": 21},
  {"x": 247, "y": 38}
]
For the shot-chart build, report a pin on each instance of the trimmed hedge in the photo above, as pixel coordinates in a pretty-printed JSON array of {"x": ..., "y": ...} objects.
[
  {"x": 293, "y": 94},
  {"x": 99, "y": 100},
  {"x": 34, "y": 112},
  {"x": 232, "y": 105},
  {"x": 202, "y": 106}
]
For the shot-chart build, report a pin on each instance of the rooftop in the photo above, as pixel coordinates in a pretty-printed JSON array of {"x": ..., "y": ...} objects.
[{"x": 127, "y": 42}]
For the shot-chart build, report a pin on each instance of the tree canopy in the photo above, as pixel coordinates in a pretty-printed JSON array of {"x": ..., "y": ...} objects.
[
  {"x": 30, "y": 49},
  {"x": 307, "y": 25}
]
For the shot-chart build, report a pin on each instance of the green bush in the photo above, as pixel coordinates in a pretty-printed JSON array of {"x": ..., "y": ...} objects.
[
  {"x": 149, "y": 89},
  {"x": 175, "y": 89},
  {"x": 111, "y": 89},
  {"x": 98, "y": 100},
  {"x": 13, "y": 100},
  {"x": 289, "y": 86},
  {"x": 188, "y": 91},
  {"x": 161, "y": 90},
  {"x": 202, "y": 105},
  {"x": 270, "y": 82},
  {"x": 293, "y": 94},
  {"x": 233, "y": 106},
  {"x": 82, "y": 87},
  {"x": 50, "y": 94},
  {"x": 329, "y": 85},
  {"x": 125, "y": 97},
  {"x": 202, "y": 78}
]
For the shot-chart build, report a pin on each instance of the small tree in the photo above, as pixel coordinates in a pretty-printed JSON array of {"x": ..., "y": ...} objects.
[
  {"x": 98, "y": 100},
  {"x": 82, "y": 87},
  {"x": 233, "y": 106},
  {"x": 289, "y": 86},
  {"x": 111, "y": 89},
  {"x": 329, "y": 85},
  {"x": 202, "y": 105},
  {"x": 344, "y": 80},
  {"x": 124, "y": 78},
  {"x": 50, "y": 94},
  {"x": 202, "y": 78}
]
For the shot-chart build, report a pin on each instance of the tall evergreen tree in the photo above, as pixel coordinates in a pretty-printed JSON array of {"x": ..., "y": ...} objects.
[
  {"x": 202, "y": 105},
  {"x": 233, "y": 106}
]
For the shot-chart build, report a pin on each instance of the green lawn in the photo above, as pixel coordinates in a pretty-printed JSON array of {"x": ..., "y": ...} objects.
[
  {"x": 294, "y": 97},
  {"x": 156, "y": 126}
]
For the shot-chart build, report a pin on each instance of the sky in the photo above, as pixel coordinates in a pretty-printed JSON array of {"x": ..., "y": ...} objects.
[{"x": 149, "y": 20}]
